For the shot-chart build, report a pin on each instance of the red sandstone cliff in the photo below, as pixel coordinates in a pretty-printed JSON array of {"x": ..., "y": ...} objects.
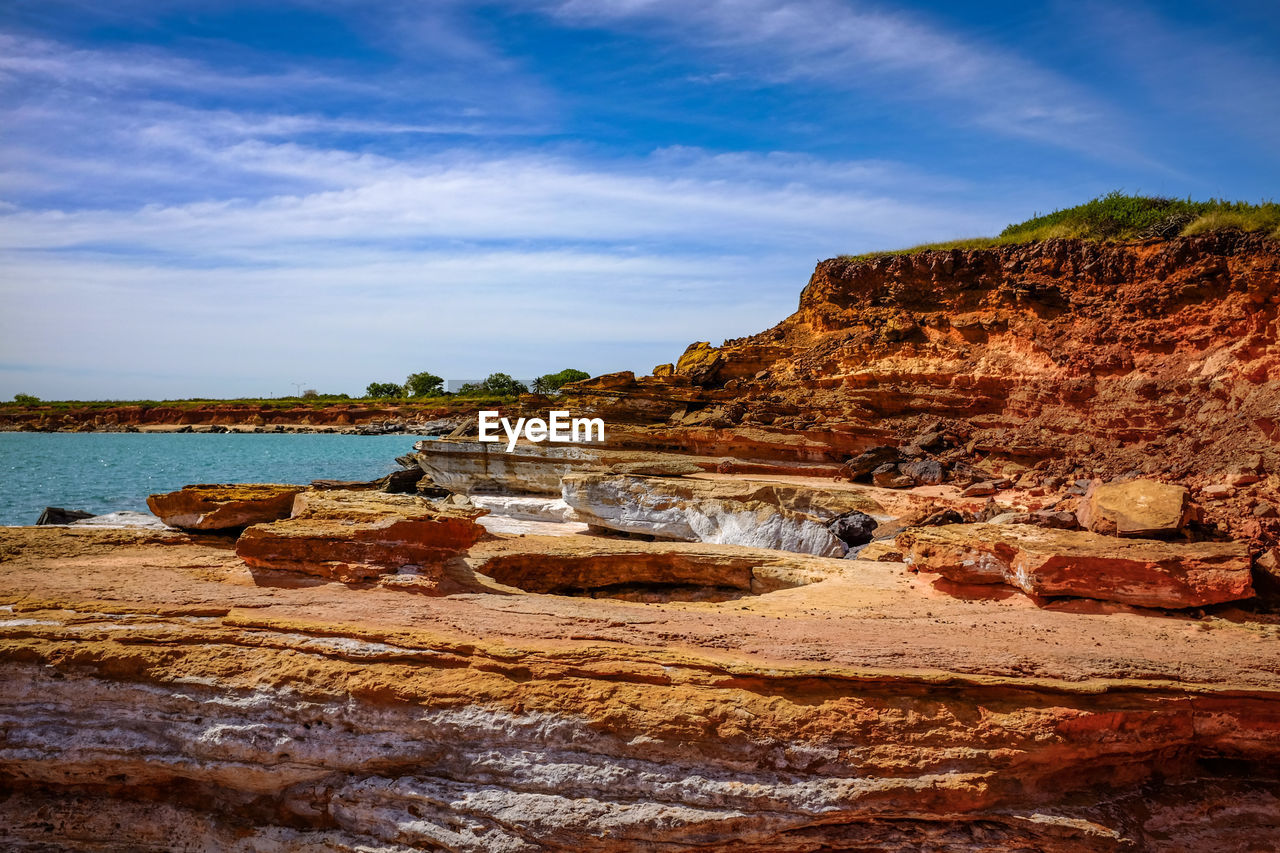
[{"x": 1068, "y": 357}]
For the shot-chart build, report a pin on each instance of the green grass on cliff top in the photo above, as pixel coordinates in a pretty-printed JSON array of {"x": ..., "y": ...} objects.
[{"x": 1117, "y": 216}]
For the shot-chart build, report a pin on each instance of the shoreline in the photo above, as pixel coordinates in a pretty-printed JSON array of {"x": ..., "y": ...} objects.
[{"x": 240, "y": 429}]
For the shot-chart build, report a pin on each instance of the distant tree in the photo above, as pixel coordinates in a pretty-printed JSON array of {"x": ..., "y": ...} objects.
[
  {"x": 551, "y": 382},
  {"x": 502, "y": 385},
  {"x": 26, "y": 399},
  {"x": 496, "y": 385},
  {"x": 310, "y": 394},
  {"x": 383, "y": 390},
  {"x": 423, "y": 385}
]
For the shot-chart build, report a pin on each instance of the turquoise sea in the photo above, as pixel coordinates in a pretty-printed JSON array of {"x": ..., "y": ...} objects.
[{"x": 106, "y": 472}]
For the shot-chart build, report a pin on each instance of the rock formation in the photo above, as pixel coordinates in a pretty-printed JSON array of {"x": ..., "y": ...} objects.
[
  {"x": 351, "y": 536},
  {"x": 1046, "y": 562},
  {"x": 358, "y": 671},
  {"x": 155, "y": 696},
  {"x": 760, "y": 514},
  {"x": 223, "y": 507}
]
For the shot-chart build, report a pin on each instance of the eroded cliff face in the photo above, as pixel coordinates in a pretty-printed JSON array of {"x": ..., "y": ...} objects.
[{"x": 1077, "y": 359}]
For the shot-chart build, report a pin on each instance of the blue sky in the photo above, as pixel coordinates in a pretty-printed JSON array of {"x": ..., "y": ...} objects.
[{"x": 224, "y": 199}]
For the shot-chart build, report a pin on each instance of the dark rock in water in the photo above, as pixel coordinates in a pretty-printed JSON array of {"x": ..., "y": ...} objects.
[
  {"x": 853, "y": 528},
  {"x": 926, "y": 472},
  {"x": 402, "y": 482},
  {"x": 409, "y": 460},
  {"x": 58, "y": 515},
  {"x": 345, "y": 485},
  {"x": 867, "y": 461}
]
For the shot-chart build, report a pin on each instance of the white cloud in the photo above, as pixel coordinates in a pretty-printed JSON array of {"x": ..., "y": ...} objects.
[
  {"x": 857, "y": 46},
  {"x": 463, "y": 264},
  {"x": 769, "y": 201}
]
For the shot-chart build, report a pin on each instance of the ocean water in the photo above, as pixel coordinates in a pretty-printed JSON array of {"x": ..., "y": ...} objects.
[{"x": 106, "y": 472}]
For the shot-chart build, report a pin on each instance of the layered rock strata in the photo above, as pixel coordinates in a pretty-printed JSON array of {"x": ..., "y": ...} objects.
[
  {"x": 759, "y": 514},
  {"x": 351, "y": 536},
  {"x": 1069, "y": 358},
  {"x": 155, "y": 698},
  {"x": 1045, "y": 562}
]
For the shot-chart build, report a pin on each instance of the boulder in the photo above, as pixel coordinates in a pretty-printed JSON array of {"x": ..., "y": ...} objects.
[
  {"x": 946, "y": 515},
  {"x": 925, "y": 472},
  {"x": 1141, "y": 508},
  {"x": 701, "y": 362},
  {"x": 1057, "y": 519},
  {"x": 1043, "y": 562},
  {"x": 853, "y": 528},
  {"x": 760, "y": 514},
  {"x": 890, "y": 476},
  {"x": 865, "y": 463},
  {"x": 351, "y": 536},
  {"x": 58, "y": 515},
  {"x": 932, "y": 440},
  {"x": 224, "y": 507},
  {"x": 1268, "y": 564}
]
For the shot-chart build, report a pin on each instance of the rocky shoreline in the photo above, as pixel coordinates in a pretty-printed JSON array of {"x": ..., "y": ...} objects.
[
  {"x": 976, "y": 551},
  {"x": 338, "y": 418}
]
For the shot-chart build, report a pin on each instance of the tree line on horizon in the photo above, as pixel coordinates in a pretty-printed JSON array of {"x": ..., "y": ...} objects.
[
  {"x": 425, "y": 384},
  {"x": 494, "y": 385}
]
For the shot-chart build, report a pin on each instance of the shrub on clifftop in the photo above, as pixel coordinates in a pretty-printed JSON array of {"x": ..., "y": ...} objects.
[
  {"x": 383, "y": 390},
  {"x": 423, "y": 385},
  {"x": 496, "y": 385},
  {"x": 551, "y": 382},
  {"x": 26, "y": 399}
]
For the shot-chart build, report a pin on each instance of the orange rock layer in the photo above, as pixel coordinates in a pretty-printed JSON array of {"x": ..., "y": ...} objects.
[
  {"x": 1073, "y": 358},
  {"x": 158, "y": 695}
]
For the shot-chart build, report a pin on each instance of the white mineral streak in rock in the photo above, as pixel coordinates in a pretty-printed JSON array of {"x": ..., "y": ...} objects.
[
  {"x": 756, "y": 515},
  {"x": 525, "y": 508},
  {"x": 472, "y": 779}
]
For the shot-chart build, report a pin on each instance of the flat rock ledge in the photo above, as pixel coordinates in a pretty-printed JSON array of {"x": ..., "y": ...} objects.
[
  {"x": 224, "y": 506},
  {"x": 1045, "y": 562},
  {"x": 353, "y": 536}
]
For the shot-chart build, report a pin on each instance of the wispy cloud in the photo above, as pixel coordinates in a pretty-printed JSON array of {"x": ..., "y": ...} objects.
[
  {"x": 687, "y": 201},
  {"x": 519, "y": 263},
  {"x": 853, "y": 46}
]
